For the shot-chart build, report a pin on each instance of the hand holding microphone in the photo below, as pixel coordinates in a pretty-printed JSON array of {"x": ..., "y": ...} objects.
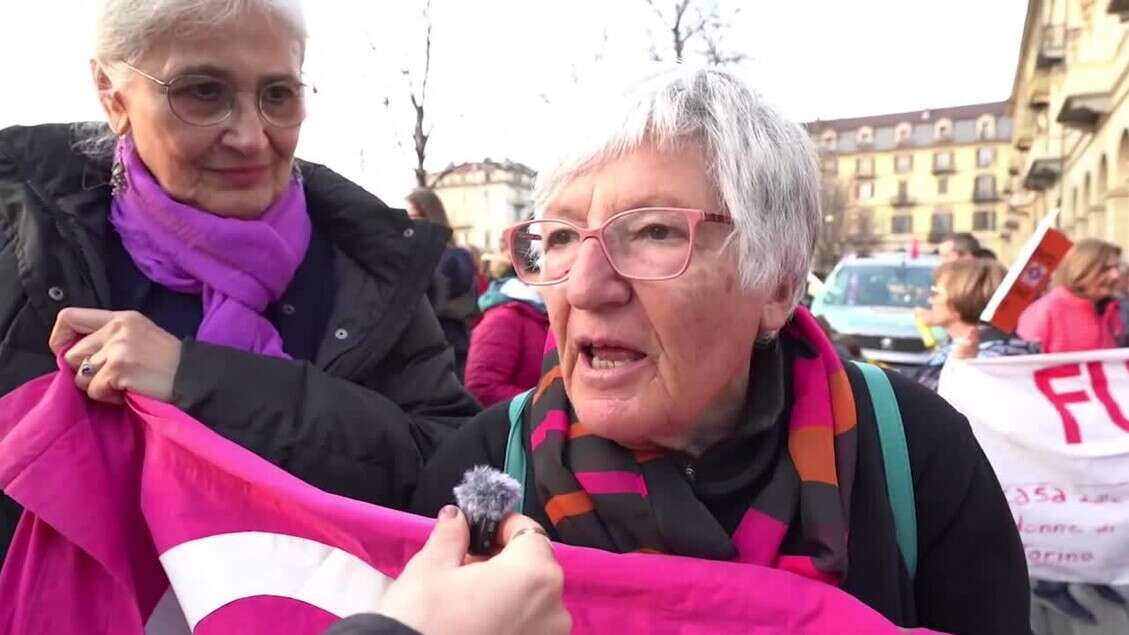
[{"x": 519, "y": 590}]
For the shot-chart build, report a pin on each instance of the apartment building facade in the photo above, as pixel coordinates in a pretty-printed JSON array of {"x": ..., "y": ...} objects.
[
  {"x": 919, "y": 176},
  {"x": 483, "y": 198},
  {"x": 1071, "y": 118}
]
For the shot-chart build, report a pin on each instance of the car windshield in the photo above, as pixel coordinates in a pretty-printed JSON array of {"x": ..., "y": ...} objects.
[{"x": 880, "y": 285}]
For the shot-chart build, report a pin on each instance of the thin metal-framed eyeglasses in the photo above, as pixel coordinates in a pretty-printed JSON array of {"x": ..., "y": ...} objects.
[
  {"x": 205, "y": 100},
  {"x": 649, "y": 243}
]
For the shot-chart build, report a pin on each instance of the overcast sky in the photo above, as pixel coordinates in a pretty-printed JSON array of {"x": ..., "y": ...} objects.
[{"x": 499, "y": 66}]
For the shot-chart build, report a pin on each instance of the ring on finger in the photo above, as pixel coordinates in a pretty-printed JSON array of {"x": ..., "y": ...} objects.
[
  {"x": 86, "y": 368},
  {"x": 530, "y": 530}
]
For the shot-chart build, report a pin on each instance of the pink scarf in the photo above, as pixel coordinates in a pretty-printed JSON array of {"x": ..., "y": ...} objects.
[{"x": 238, "y": 267}]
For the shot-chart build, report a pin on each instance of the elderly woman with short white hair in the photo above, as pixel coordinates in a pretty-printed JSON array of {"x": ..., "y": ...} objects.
[
  {"x": 687, "y": 406},
  {"x": 185, "y": 255}
]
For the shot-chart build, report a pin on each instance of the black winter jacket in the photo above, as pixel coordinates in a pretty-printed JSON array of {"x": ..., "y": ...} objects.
[
  {"x": 971, "y": 575},
  {"x": 359, "y": 420}
]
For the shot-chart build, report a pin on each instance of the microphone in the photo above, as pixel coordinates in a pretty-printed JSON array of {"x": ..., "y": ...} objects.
[{"x": 486, "y": 495}]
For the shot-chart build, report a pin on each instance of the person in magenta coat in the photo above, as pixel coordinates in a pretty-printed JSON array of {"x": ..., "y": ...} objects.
[
  {"x": 1079, "y": 314},
  {"x": 507, "y": 345}
]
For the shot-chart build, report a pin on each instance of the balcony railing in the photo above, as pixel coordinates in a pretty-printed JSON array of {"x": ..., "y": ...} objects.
[
  {"x": 903, "y": 200},
  {"x": 1039, "y": 92},
  {"x": 943, "y": 167},
  {"x": 1042, "y": 172},
  {"x": 1052, "y": 46},
  {"x": 1084, "y": 111},
  {"x": 1024, "y": 136}
]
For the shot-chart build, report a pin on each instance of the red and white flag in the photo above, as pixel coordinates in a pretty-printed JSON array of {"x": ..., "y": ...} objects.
[{"x": 1028, "y": 276}]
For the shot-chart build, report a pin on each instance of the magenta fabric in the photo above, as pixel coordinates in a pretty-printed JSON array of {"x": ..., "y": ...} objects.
[
  {"x": 238, "y": 267},
  {"x": 106, "y": 489},
  {"x": 506, "y": 349},
  {"x": 1063, "y": 322},
  {"x": 266, "y": 614}
]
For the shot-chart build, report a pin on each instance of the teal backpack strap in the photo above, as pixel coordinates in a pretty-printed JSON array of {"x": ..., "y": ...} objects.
[
  {"x": 515, "y": 448},
  {"x": 895, "y": 458}
]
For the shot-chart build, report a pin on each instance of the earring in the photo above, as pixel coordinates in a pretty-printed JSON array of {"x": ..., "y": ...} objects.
[{"x": 118, "y": 182}]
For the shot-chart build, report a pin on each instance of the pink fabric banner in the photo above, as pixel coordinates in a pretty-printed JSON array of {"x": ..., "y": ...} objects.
[{"x": 124, "y": 503}]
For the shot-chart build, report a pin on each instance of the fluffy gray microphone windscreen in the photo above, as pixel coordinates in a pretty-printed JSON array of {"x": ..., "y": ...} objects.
[{"x": 486, "y": 495}]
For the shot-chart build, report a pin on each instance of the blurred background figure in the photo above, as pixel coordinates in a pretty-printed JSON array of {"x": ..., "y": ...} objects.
[
  {"x": 1080, "y": 313},
  {"x": 985, "y": 254},
  {"x": 507, "y": 345},
  {"x": 453, "y": 291},
  {"x": 958, "y": 246},
  {"x": 1122, "y": 296},
  {"x": 481, "y": 271},
  {"x": 961, "y": 290}
]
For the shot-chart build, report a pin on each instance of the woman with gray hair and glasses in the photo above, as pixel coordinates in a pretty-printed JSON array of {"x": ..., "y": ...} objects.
[
  {"x": 184, "y": 254},
  {"x": 688, "y": 406}
]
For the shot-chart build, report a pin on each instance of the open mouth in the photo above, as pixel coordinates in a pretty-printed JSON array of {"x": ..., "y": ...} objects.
[{"x": 608, "y": 355}]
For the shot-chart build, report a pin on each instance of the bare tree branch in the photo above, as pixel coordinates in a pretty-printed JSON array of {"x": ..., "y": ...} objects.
[
  {"x": 690, "y": 21},
  {"x": 419, "y": 104},
  {"x": 843, "y": 229},
  {"x": 715, "y": 56}
]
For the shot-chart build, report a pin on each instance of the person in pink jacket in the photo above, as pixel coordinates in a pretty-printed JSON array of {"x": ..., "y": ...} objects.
[
  {"x": 1079, "y": 313},
  {"x": 507, "y": 345}
]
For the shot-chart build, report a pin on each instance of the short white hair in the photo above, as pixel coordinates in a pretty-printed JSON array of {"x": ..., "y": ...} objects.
[
  {"x": 127, "y": 28},
  {"x": 763, "y": 166}
]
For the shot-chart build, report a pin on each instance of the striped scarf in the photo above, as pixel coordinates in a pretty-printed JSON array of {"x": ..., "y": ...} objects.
[{"x": 602, "y": 495}]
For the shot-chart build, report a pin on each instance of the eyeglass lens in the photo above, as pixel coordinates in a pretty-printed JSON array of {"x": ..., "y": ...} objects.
[
  {"x": 648, "y": 244},
  {"x": 203, "y": 100}
]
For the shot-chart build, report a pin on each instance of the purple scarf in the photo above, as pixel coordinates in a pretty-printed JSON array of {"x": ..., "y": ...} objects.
[{"x": 238, "y": 267}]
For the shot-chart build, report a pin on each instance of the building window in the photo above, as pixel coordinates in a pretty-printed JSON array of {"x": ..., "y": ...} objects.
[
  {"x": 943, "y": 161},
  {"x": 942, "y": 185},
  {"x": 901, "y": 224},
  {"x": 903, "y": 132},
  {"x": 985, "y": 187},
  {"x": 830, "y": 165},
  {"x": 941, "y": 224},
  {"x": 864, "y": 166},
  {"x": 986, "y": 127},
  {"x": 864, "y": 190},
  {"x": 943, "y": 130},
  {"x": 903, "y": 163},
  {"x": 829, "y": 140},
  {"x": 985, "y": 157},
  {"x": 865, "y": 135},
  {"x": 903, "y": 190},
  {"x": 983, "y": 221}
]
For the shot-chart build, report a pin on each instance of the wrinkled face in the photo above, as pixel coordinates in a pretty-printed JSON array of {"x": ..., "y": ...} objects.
[
  {"x": 1103, "y": 283},
  {"x": 236, "y": 168},
  {"x": 941, "y": 312},
  {"x": 652, "y": 364}
]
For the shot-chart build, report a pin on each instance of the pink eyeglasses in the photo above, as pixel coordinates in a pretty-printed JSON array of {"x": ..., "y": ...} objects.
[{"x": 650, "y": 243}]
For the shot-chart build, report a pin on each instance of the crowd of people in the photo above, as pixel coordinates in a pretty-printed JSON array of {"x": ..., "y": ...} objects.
[
  {"x": 180, "y": 251},
  {"x": 1084, "y": 309}
]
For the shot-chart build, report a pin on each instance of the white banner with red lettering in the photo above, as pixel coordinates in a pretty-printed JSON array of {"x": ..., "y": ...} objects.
[{"x": 1056, "y": 430}]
